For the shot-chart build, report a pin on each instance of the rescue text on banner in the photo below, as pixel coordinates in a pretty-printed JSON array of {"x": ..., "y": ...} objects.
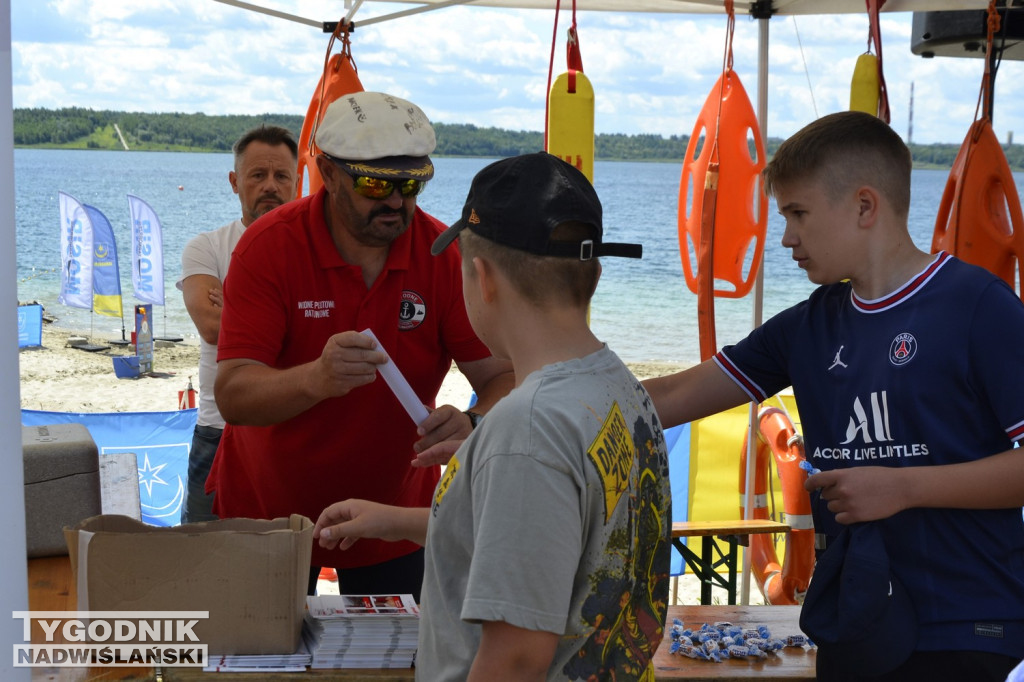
[
  {"x": 76, "y": 254},
  {"x": 147, "y": 252}
]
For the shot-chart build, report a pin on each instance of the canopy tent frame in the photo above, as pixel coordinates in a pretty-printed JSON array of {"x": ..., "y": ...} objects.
[{"x": 761, "y": 10}]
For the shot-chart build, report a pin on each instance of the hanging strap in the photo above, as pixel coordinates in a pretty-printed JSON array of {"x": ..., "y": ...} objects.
[
  {"x": 709, "y": 206},
  {"x": 551, "y": 66},
  {"x": 985, "y": 96},
  {"x": 875, "y": 42},
  {"x": 573, "y": 58},
  {"x": 730, "y": 28}
]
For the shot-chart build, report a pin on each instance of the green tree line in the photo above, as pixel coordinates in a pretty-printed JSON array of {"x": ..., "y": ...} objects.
[{"x": 78, "y": 128}]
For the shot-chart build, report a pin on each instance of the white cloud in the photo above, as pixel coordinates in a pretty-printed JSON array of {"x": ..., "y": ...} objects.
[{"x": 486, "y": 66}]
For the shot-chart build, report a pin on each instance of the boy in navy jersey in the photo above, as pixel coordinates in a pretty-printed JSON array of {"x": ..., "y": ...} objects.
[{"x": 908, "y": 371}]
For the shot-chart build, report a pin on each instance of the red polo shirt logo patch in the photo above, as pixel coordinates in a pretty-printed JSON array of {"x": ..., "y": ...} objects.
[{"x": 411, "y": 311}]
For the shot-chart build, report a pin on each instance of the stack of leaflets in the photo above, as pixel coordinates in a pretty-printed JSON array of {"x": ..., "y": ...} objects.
[
  {"x": 261, "y": 663},
  {"x": 361, "y": 631}
]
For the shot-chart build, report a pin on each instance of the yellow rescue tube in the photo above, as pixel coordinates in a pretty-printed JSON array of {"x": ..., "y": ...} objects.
[
  {"x": 571, "y": 121},
  {"x": 864, "y": 89}
]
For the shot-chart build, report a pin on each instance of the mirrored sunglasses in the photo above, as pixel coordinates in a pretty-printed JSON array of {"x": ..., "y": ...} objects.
[{"x": 379, "y": 188}]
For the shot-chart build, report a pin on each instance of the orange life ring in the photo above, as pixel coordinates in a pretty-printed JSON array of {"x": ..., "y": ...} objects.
[{"x": 780, "y": 582}]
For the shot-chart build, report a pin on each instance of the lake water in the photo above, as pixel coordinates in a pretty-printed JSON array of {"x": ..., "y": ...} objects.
[{"x": 642, "y": 308}]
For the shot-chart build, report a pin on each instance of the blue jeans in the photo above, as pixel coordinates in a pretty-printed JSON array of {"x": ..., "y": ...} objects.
[{"x": 199, "y": 505}]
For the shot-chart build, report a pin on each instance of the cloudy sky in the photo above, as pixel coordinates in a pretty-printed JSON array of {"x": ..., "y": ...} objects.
[{"x": 651, "y": 72}]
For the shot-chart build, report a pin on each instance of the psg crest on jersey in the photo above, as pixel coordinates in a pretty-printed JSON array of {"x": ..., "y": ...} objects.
[
  {"x": 411, "y": 311},
  {"x": 903, "y": 349}
]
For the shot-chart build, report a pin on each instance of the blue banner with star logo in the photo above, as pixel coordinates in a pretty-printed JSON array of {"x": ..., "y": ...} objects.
[{"x": 160, "y": 441}]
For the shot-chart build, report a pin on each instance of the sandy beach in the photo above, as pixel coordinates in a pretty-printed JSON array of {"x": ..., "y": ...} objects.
[{"x": 58, "y": 377}]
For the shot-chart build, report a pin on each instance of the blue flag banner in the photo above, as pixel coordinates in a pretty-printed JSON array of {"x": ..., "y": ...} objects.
[
  {"x": 147, "y": 252},
  {"x": 76, "y": 254},
  {"x": 677, "y": 442},
  {"x": 30, "y": 325},
  {"x": 161, "y": 442},
  {"x": 106, "y": 275}
]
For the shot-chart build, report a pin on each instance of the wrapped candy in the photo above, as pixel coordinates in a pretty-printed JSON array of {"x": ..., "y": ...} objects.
[{"x": 809, "y": 468}]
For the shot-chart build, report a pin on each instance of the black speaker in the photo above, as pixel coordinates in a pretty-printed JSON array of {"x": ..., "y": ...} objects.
[{"x": 963, "y": 33}]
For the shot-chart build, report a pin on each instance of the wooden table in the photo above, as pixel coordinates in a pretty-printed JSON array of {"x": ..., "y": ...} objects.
[
  {"x": 51, "y": 585},
  {"x": 788, "y": 665},
  {"x": 51, "y": 588},
  {"x": 705, "y": 565}
]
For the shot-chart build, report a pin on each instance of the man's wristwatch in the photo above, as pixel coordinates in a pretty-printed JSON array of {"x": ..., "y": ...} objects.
[{"x": 474, "y": 418}]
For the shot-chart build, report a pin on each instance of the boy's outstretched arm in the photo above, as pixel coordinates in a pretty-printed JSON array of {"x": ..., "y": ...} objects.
[
  {"x": 491, "y": 378},
  {"x": 511, "y": 653},
  {"x": 437, "y": 454},
  {"x": 870, "y": 493},
  {"x": 693, "y": 393},
  {"x": 341, "y": 524}
]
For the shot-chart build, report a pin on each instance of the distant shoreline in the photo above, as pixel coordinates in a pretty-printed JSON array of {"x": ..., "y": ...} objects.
[
  {"x": 79, "y": 128},
  {"x": 917, "y": 165}
]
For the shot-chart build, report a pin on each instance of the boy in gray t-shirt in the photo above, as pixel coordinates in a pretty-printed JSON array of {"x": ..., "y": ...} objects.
[{"x": 548, "y": 542}]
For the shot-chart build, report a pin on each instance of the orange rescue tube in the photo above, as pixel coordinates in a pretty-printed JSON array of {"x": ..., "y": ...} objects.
[
  {"x": 722, "y": 213},
  {"x": 339, "y": 78},
  {"x": 780, "y": 582},
  {"x": 979, "y": 218}
]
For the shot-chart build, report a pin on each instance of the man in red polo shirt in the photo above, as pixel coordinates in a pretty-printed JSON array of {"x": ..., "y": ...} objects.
[{"x": 308, "y": 421}]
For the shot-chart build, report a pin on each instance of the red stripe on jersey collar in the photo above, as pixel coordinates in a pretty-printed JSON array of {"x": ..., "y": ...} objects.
[{"x": 904, "y": 292}]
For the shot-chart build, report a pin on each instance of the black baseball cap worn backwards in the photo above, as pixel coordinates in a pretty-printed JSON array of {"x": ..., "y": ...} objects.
[{"x": 517, "y": 202}]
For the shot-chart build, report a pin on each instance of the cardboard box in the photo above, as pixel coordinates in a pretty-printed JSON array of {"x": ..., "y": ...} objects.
[
  {"x": 62, "y": 484},
  {"x": 251, "y": 575}
]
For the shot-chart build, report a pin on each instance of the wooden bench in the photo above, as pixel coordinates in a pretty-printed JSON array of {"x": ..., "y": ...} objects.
[{"x": 705, "y": 565}]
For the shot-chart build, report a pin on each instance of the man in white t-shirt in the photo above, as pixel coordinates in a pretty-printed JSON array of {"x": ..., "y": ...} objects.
[{"x": 264, "y": 177}]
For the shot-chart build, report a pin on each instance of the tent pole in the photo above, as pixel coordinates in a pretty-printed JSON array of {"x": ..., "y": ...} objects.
[
  {"x": 762, "y": 119},
  {"x": 13, "y": 567}
]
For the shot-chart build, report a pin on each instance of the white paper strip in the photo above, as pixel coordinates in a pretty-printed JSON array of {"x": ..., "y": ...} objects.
[{"x": 399, "y": 386}]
